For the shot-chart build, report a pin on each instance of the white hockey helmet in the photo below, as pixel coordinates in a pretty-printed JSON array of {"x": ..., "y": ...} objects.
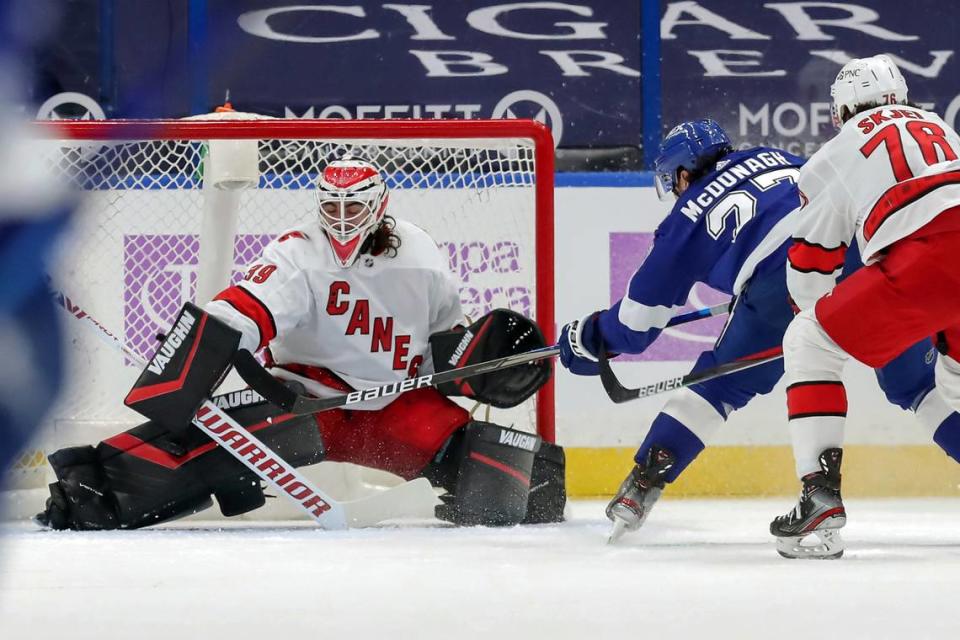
[
  {"x": 351, "y": 202},
  {"x": 866, "y": 81}
]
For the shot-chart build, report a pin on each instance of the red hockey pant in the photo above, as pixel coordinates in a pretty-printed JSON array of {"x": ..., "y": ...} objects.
[
  {"x": 912, "y": 293},
  {"x": 400, "y": 438}
]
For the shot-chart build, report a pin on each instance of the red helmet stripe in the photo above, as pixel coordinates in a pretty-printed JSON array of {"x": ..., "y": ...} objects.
[{"x": 343, "y": 177}]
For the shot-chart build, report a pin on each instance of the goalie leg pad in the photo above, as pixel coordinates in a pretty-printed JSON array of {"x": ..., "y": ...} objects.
[
  {"x": 191, "y": 361},
  {"x": 487, "y": 470},
  {"x": 142, "y": 483},
  {"x": 548, "y": 491},
  {"x": 81, "y": 498},
  {"x": 146, "y": 478}
]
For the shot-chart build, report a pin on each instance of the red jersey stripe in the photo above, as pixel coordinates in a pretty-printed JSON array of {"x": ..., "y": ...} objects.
[
  {"x": 251, "y": 306},
  {"x": 806, "y": 257},
  {"x": 902, "y": 194}
]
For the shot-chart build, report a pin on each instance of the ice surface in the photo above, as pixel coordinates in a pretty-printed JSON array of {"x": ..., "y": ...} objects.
[{"x": 699, "y": 569}]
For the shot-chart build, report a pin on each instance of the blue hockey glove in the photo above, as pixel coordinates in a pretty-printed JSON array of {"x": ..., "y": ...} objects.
[{"x": 579, "y": 341}]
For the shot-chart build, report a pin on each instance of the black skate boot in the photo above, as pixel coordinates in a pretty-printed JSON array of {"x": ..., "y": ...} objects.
[
  {"x": 819, "y": 513},
  {"x": 639, "y": 492}
]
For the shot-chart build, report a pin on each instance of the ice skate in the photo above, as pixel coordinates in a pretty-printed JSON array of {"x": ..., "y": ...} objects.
[
  {"x": 639, "y": 492},
  {"x": 819, "y": 515}
]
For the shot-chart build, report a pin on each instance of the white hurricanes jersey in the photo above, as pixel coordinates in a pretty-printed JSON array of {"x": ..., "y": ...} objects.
[
  {"x": 888, "y": 172},
  {"x": 368, "y": 324}
]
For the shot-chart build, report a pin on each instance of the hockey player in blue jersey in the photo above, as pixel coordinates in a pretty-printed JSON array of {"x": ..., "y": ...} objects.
[
  {"x": 33, "y": 215},
  {"x": 34, "y": 211},
  {"x": 730, "y": 228}
]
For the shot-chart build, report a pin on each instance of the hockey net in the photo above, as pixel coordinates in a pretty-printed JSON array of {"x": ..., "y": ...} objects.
[{"x": 173, "y": 210}]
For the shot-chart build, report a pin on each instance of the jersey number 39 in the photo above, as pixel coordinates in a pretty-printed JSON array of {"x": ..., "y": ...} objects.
[{"x": 742, "y": 205}]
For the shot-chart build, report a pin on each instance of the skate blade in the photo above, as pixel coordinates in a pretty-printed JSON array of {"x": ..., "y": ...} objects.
[
  {"x": 829, "y": 546},
  {"x": 617, "y": 531}
]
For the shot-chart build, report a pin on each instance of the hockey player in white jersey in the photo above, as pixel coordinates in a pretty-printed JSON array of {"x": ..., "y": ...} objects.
[
  {"x": 350, "y": 300},
  {"x": 890, "y": 179}
]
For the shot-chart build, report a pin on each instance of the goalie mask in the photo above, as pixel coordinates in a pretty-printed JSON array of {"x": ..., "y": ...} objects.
[
  {"x": 865, "y": 82},
  {"x": 351, "y": 201}
]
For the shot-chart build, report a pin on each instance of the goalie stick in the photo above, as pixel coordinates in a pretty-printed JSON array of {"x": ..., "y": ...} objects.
[
  {"x": 271, "y": 468},
  {"x": 260, "y": 379},
  {"x": 270, "y": 388}
]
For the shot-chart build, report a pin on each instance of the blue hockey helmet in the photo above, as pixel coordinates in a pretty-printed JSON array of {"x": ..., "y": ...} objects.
[{"x": 692, "y": 146}]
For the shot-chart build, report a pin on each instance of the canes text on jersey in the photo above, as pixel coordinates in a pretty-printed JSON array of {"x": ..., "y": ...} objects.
[{"x": 380, "y": 329}]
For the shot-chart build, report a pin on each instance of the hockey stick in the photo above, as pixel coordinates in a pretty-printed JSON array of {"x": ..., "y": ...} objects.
[
  {"x": 292, "y": 402},
  {"x": 619, "y": 393},
  {"x": 267, "y": 465},
  {"x": 706, "y": 312},
  {"x": 260, "y": 379}
]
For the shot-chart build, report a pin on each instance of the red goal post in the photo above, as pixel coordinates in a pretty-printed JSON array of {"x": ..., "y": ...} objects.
[{"x": 474, "y": 157}]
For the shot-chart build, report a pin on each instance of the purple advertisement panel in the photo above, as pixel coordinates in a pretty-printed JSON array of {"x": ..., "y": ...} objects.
[
  {"x": 159, "y": 275},
  {"x": 684, "y": 343},
  {"x": 489, "y": 276}
]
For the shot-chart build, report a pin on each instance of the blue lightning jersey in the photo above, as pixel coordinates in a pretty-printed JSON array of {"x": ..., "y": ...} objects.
[{"x": 731, "y": 225}]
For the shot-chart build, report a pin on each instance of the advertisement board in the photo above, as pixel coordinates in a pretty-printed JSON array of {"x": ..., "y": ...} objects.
[
  {"x": 764, "y": 69},
  {"x": 572, "y": 65},
  {"x": 596, "y": 72}
]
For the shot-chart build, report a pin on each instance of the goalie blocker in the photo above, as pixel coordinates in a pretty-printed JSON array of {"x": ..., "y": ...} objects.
[{"x": 193, "y": 358}]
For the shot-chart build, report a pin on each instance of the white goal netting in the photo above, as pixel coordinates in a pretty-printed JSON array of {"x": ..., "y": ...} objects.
[{"x": 154, "y": 231}]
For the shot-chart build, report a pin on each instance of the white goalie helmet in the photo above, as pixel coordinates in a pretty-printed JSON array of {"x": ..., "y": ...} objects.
[
  {"x": 351, "y": 202},
  {"x": 866, "y": 81}
]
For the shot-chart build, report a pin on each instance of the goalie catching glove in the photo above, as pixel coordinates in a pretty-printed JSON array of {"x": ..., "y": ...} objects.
[{"x": 498, "y": 334}]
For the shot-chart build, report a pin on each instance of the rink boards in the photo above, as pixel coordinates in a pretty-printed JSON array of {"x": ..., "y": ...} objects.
[
  {"x": 602, "y": 233},
  {"x": 888, "y": 452}
]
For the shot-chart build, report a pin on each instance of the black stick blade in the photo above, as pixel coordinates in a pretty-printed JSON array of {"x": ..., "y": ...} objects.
[{"x": 615, "y": 391}]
